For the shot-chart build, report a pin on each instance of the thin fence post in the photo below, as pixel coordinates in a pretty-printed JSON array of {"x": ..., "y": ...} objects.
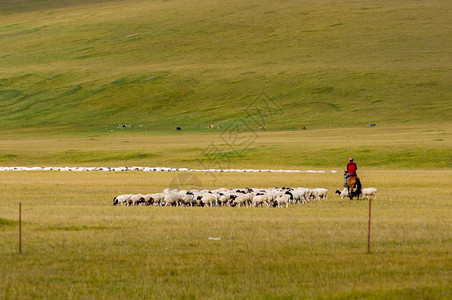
[
  {"x": 368, "y": 231},
  {"x": 20, "y": 227}
]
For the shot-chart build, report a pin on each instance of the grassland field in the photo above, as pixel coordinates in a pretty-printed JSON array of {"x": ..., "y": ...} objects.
[
  {"x": 73, "y": 72},
  {"x": 403, "y": 147},
  {"x": 77, "y": 245}
]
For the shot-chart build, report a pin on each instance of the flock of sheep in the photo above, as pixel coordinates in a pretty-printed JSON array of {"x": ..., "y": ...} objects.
[
  {"x": 155, "y": 169},
  {"x": 272, "y": 197}
]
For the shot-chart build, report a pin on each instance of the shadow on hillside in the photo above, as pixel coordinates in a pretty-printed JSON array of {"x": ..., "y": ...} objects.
[{"x": 12, "y": 6}]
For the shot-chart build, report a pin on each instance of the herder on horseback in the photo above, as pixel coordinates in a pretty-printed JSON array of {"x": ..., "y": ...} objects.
[
  {"x": 352, "y": 180},
  {"x": 351, "y": 170}
]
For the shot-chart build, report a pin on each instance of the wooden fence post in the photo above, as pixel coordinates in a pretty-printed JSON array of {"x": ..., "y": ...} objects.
[
  {"x": 20, "y": 228},
  {"x": 368, "y": 231}
]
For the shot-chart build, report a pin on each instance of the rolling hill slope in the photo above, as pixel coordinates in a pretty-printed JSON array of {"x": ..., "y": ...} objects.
[{"x": 91, "y": 65}]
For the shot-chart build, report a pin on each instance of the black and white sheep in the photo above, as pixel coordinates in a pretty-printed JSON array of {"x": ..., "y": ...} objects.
[
  {"x": 343, "y": 193},
  {"x": 122, "y": 199},
  {"x": 224, "y": 197}
]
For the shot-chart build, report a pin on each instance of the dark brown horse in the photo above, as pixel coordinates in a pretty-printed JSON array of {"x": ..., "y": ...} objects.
[{"x": 352, "y": 182}]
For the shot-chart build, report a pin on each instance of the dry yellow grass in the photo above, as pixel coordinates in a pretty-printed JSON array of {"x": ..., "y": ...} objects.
[{"x": 77, "y": 245}]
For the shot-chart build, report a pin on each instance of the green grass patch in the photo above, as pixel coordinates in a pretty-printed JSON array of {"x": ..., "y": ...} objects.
[
  {"x": 4, "y": 223},
  {"x": 410, "y": 147},
  {"x": 168, "y": 64},
  {"x": 74, "y": 156},
  {"x": 76, "y": 227}
]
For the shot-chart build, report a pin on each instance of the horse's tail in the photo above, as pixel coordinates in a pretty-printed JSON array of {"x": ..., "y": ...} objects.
[{"x": 358, "y": 186}]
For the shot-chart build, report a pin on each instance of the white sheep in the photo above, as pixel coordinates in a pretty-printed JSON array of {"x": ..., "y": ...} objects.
[
  {"x": 248, "y": 198},
  {"x": 171, "y": 199},
  {"x": 239, "y": 200},
  {"x": 169, "y": 190},
  {"x": 187, "y": 199},
  {"x": 260, "y": 200},
  {"x": 208, "y": 199},
  {"x": 298, "y": 196},
  {"x": 224, "y": 199},
  {"x": 320, "y": 194},
  {"x": 157, "y": 199},
  {"x": 369, "y": 193},
  {"x": 136, "y": 199},
  {"x": 283, "y": 199},
  {"x": 303, "y": 194}
]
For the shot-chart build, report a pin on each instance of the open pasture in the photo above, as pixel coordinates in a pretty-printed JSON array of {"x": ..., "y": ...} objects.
[
  {"x": 395, "y": 147},
  {"x": 88, "y": 65},
  {"x": 72, "y": 72},
  {"x": 77, "y": 245}
]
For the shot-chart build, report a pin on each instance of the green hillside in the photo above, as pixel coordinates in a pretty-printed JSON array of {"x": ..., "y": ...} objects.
[{"x": 91, "y": 65}]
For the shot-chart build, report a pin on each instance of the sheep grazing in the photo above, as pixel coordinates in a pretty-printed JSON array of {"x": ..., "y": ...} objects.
[
  {"x": 239, "y": 200},
  {"x": 224, "y": 199},
  {"x": 136, "y": 199},
  {"x": 282, "y": 199},
  {"x": 158, "y": 199},
  {"x": 270, "y": 197},
  {"x": 320, "y": 194},
  {"x": 369, "y": 193},
  {"x": 122, "y": 199},
  {"x": 300, "y": 195},
  {"x": 208, "y": 199},
  {"x": 248, "y": 197},
  {"x": 152, "y": 199},
  {"x": 187, "y": 200},
  {"x": 171, "y": 200},
  {"x": 260, "y": 200}
]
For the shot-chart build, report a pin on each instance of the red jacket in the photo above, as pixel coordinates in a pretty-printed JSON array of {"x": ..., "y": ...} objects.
[{"x": 351, "y": 168}]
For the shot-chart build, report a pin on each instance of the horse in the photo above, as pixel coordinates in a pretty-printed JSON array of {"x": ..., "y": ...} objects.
[{"x": 353, "y": 181}]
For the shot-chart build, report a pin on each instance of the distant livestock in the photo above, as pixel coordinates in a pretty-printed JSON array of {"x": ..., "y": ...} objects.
[{"x": 213, "y": 126}]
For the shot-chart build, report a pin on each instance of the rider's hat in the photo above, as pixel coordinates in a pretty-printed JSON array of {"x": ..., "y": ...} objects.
[{"x": 350, "y": 159}]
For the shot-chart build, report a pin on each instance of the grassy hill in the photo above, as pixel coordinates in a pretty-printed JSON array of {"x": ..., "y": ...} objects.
[{"x": 91, "y": 65}]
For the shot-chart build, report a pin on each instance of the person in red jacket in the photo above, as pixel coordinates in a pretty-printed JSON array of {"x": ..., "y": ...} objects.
[{"x": 351, "y": 170}]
